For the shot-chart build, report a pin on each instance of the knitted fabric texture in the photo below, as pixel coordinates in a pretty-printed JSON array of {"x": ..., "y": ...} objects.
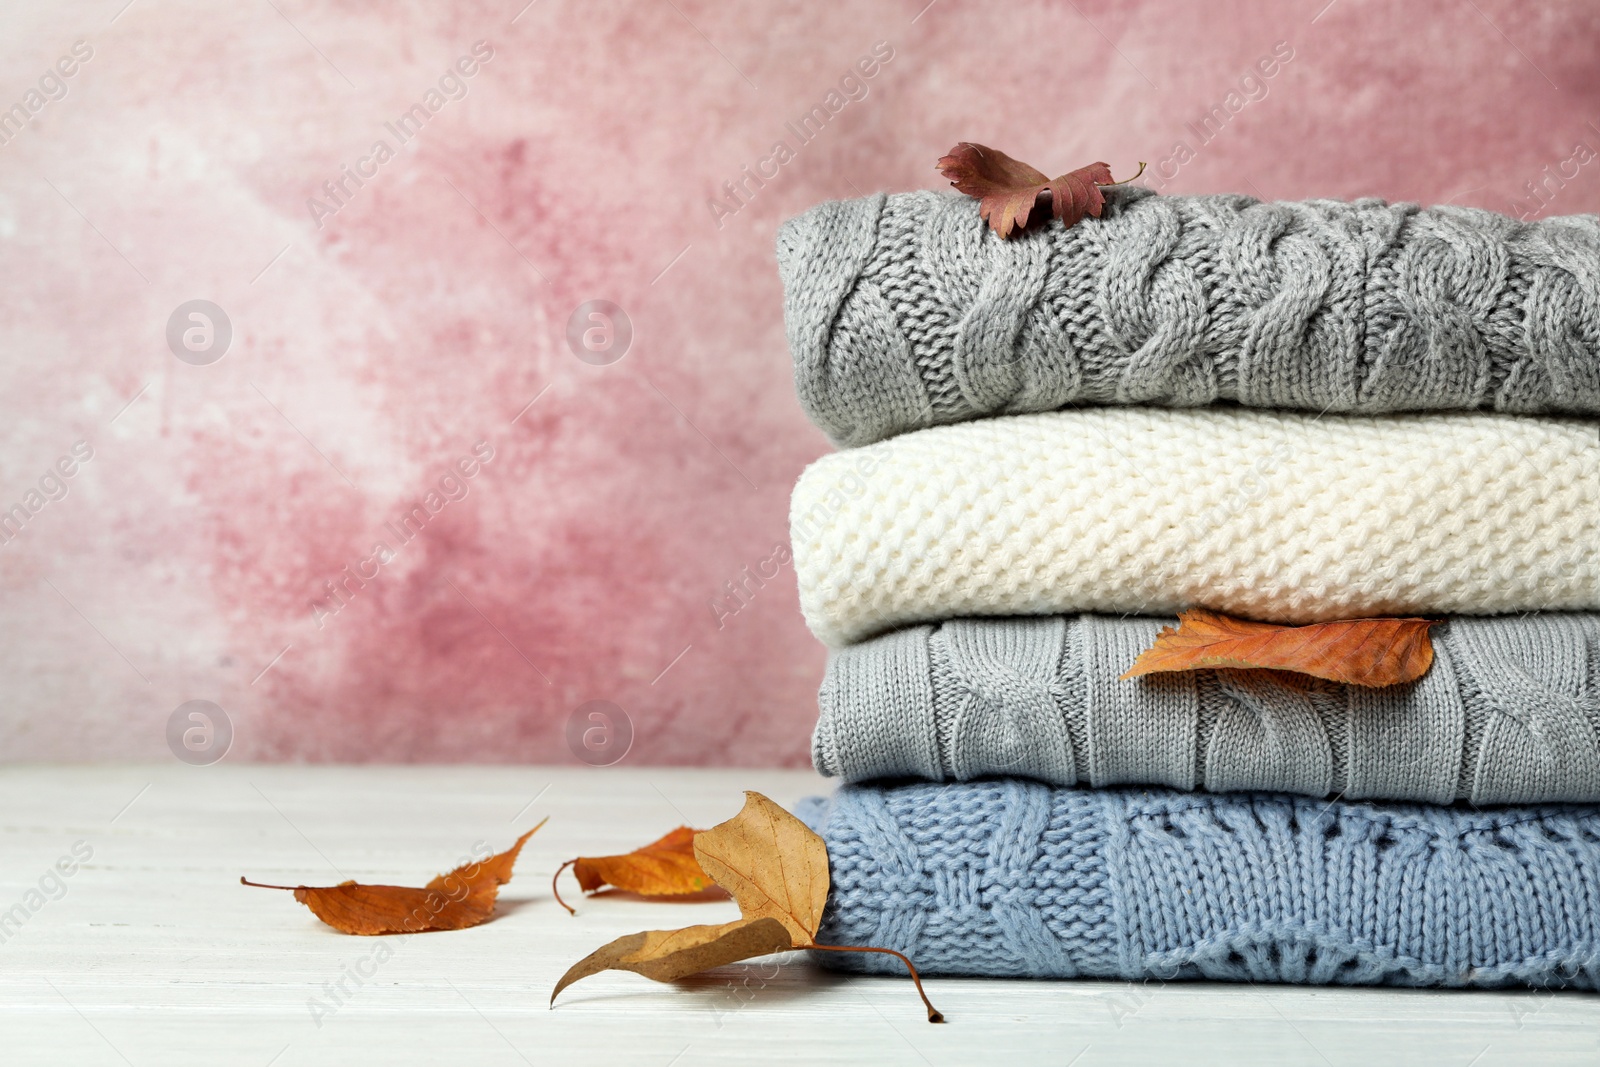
[
  {"x": 906, "y": 311},
  {"x": 1266, "y": 515},
  {"x": 1014, "y": 878},
  {"x": 1509, "y": 713}
]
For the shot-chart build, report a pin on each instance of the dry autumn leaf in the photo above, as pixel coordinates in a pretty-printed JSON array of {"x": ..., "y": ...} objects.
[
  {"x": 464, "y": 897},
  {"x": 1365, "y": 652},
  {"x": 772, "y": 863},
  {"x": 776, "y": 868},
  {"x": 1008, "y": 190},
  {"x": 664, "y": 868},
  {"x": 668, "y": 955}
]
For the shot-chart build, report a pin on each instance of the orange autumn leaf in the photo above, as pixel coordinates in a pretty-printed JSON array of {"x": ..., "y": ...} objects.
[
  {"x": 776, "y": 868},
  {"x": 1365, "y": 652},
  {"x": 462, "y": 898},
  {"x": 663, "y": 868}
]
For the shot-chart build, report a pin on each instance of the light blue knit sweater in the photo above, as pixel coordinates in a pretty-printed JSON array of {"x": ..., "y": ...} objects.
[{"x": 1014, "y": 878}]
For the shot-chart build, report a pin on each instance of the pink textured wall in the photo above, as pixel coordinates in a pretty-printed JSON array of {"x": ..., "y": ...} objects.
[{"x": 375, "y": 345}]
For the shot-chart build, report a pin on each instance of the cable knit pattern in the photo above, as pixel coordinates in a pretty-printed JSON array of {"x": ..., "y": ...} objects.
[
  {"x": 1508, "y": 714},
  {"x": 1280, "y": 517},
  {"x": 1017, "y": 879},
  {"x": 906, "y": 311}
]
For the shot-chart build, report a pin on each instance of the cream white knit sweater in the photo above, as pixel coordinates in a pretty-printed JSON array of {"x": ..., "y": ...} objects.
[{"x": 1273, "y": 516}]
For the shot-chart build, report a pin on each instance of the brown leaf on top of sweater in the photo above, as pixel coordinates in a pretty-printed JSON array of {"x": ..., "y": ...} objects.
[
  {"x": 464, "y": 897},
  {"x": 776, "y": 868},
  {"x": 1365, "y": 652},
  {"x": 1008, "y": 190},
  {"x": 663, "y": 868}
]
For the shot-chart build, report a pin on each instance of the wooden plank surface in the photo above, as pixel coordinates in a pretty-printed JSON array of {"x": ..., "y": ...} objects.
[{"x": 152, "y": 953}]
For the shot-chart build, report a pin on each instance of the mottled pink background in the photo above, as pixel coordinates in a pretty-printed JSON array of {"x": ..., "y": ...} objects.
[{"x": 370, "y": 353}]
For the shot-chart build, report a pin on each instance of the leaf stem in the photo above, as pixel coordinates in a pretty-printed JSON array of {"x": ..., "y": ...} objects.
[
  {"x": 262, "y": 885},
  {"x": 1125, "y": 181},
  {"x": 556, "y": 892},
  {"x": 934, "y": 1015}
]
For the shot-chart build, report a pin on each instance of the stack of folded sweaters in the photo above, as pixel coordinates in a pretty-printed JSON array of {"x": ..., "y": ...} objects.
[{"x": 1289, "y": 412}]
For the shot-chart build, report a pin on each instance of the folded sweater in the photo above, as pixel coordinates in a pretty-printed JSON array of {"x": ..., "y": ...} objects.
[
  {"x": 1509, "y": 713},
  {"x": 906, "y": 311},
  {"x": 1017, "y": 879},
  {"x": 1265, "y": 515}
]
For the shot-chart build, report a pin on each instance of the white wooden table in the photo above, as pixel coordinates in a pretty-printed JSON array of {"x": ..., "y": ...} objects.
[{"x": 156, "y": 955}]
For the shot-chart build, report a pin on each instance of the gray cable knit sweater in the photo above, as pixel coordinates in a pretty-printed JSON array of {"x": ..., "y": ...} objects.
[
  {"x": 1509, "y": 713},
  {"x": 905, "y": 311}
]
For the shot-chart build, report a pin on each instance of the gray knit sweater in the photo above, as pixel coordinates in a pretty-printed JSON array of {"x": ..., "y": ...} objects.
[
  {"x": 905, "y": 311},
  {"x": 1509, "y": 713}
]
